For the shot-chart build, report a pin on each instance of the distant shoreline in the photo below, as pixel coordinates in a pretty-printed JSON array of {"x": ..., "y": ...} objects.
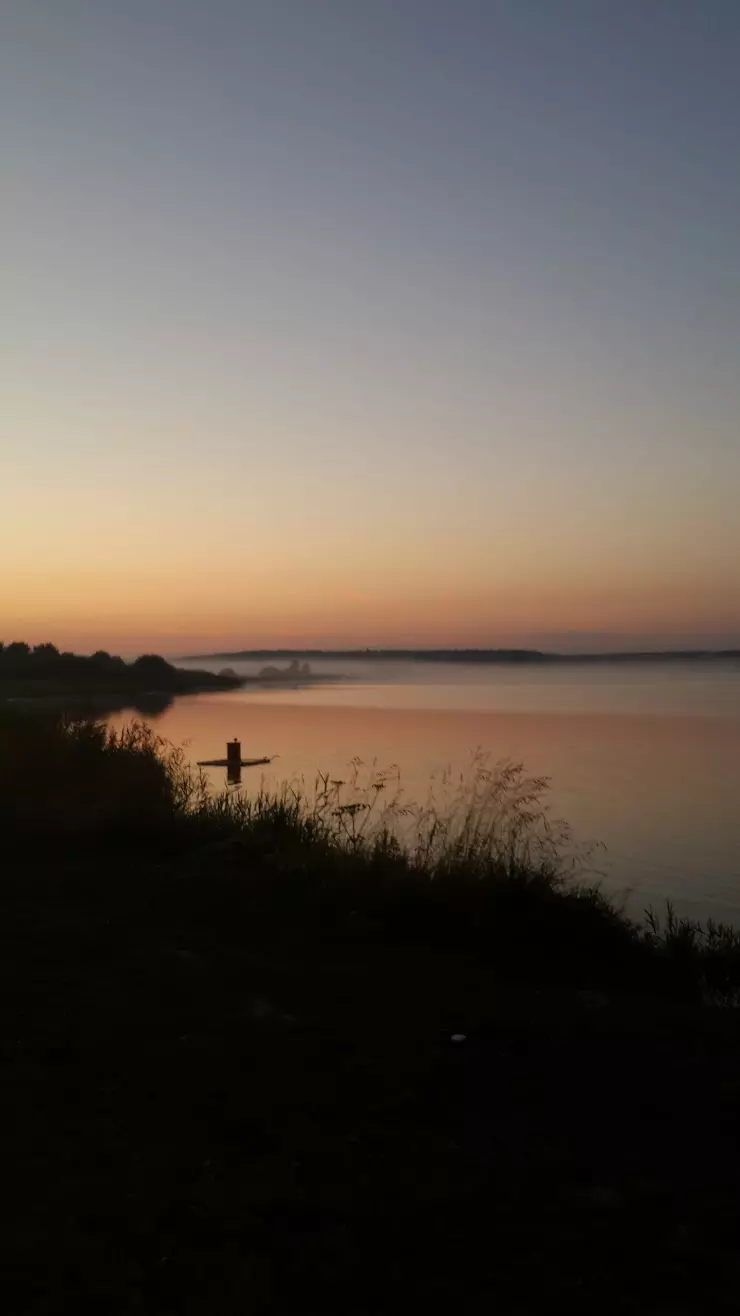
[{"x": 475, "y": 655}]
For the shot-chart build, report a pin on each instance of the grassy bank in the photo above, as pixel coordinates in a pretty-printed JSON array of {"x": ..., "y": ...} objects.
[
  {"x": 489, "y": 873},
  {"x": 229, "y": 1067}
]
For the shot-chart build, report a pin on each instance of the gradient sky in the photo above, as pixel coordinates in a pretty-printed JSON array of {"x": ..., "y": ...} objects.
[{"x": 370, "y": 322}]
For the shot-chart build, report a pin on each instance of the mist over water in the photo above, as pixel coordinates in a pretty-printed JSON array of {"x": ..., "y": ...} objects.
[
  {"x": 677, "y": 688},
  {"x": 643, "y": 758}
]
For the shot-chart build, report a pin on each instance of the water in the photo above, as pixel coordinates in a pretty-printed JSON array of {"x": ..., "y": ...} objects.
[{"x": 644, "y": 758}]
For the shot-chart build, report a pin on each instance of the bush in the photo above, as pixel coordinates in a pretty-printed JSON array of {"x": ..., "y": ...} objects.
[{"x": 62, "y": 777}]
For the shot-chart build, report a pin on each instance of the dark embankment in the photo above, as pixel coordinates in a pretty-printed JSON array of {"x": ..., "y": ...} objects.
[{"x": 229, "y": 1076}]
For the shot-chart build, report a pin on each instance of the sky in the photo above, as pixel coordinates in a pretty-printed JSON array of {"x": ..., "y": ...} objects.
[{"x": 391, "y": 322}]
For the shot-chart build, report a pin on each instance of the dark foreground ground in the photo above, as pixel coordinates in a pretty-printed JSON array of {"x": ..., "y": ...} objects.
[{"x": 213, "y": 1105}]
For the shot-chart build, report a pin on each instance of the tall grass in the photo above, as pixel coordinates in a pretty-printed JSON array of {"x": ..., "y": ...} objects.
[
  {"x": 81, "y": 773},
  {"x": 708, "y": 952},
  {"x": 492, "y": 817},
  {"x": 480, "y": 866}
]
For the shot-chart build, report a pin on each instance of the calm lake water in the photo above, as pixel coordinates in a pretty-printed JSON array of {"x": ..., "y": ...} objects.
[{"x": 645, "y": 759}]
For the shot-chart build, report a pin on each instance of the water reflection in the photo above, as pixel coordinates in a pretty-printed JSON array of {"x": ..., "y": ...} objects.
[{"x": 659, "y": 789}]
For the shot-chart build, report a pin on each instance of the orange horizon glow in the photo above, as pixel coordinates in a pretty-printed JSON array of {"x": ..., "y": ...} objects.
[{"x": 106, "y": 589}]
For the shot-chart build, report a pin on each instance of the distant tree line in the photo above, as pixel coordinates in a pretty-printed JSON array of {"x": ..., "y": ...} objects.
[
  {"x": 45, "y": 663},
  {"x": 484, "y": 655}
]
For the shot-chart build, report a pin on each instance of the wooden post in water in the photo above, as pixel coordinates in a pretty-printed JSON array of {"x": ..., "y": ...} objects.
[{"x": 233, "y": 762}]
